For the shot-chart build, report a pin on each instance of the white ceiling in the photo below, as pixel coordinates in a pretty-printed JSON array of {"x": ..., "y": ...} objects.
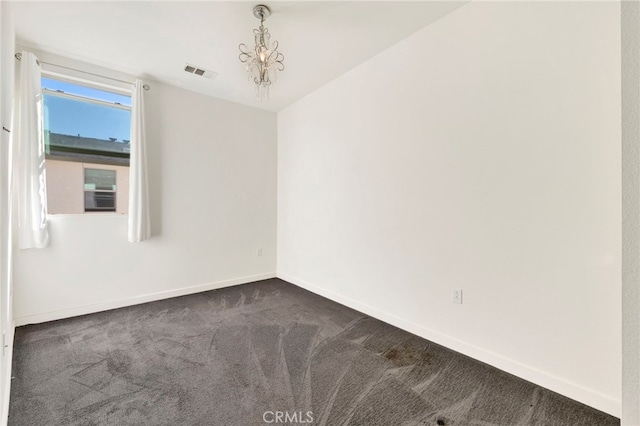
[{"x": 320, "y": 40}]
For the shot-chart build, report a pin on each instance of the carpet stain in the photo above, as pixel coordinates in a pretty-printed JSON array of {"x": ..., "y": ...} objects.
[
  {"x": 403, "y": 356},
  {"x": 118, "y": 362}
]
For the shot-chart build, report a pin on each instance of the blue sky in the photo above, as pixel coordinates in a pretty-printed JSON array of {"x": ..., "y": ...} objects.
[{"x": 73, "y": 117}]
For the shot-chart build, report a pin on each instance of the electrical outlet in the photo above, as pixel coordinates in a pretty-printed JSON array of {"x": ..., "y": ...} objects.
[
  {"x": 259, "y": 252},
  {"x": 456, "y": 296}
]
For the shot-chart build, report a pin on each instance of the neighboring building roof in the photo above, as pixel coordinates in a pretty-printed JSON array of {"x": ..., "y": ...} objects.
[
  {"x": 79, "y": 148},
  {"x": 57, "y": 139}
]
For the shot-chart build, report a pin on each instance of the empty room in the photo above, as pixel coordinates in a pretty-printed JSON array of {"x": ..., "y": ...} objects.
[{"x": 329, "y": 213}]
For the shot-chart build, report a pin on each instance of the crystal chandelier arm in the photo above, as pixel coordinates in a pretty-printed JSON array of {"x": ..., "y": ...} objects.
[
  {"x": 276, "y": 57},
  {"x": 245, "y": 53},
  {"x": 273, "y": 53},
  {"x": 280, "y": 61}
]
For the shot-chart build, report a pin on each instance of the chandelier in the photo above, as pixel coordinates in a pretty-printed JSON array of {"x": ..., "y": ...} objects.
[{"x": 262, "y": 61}]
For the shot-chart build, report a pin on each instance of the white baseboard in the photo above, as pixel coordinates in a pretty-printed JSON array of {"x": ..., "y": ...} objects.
[
  {"x": 6, "y": 380},
  {"x": 151, "y": 297},
  {"x": 557, "y": 384}
]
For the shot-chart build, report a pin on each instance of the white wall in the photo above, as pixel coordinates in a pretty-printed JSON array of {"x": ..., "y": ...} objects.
[
  {"x": 212, "y": 170},
  {"x": 481, "y": 153},
  {"x": 7, "y": 46},
  {"x": 630, "y": 213}
]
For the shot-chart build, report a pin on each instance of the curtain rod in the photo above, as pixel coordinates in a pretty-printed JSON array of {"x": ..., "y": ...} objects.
[{"x": 146, "y": 87}]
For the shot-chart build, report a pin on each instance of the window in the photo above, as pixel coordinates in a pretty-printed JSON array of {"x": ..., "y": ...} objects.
[
  {"x": 86, "y": 124},
  {"x": 99, "y": 190},
  {"x": 86, "y": 132}
]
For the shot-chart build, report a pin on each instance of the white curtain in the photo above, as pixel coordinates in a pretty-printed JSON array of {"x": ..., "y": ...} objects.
[
  {"x": 139, "y": 223},
  {"x": 30, "y": 178}
]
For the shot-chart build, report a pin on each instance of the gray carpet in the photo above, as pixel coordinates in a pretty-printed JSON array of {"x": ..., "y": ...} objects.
[{"x": 239, "y": 355}]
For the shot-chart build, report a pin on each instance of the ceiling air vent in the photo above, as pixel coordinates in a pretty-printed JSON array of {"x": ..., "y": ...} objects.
[{"x": 200, "y": 71}]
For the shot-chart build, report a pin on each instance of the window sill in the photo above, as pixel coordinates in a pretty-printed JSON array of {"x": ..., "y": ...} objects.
[{"x": 49, "y": 215}]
